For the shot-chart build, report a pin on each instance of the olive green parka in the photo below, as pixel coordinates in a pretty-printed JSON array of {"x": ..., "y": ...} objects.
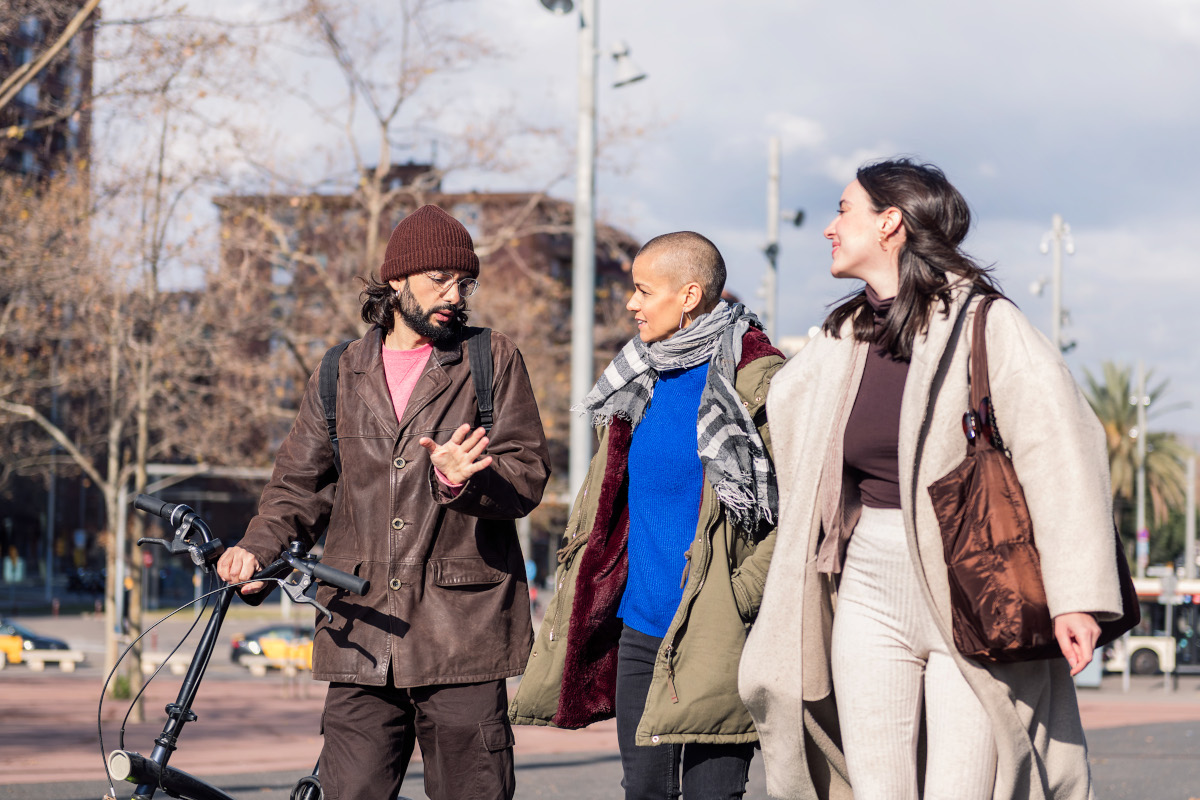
[{"x": 570, "y": 681}]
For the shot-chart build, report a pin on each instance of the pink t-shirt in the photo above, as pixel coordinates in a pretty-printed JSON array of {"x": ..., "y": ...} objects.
[{"x": 402, "y": 369}]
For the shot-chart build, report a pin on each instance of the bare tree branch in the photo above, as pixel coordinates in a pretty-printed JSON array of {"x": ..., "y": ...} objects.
[{"x": 11, "y": 86}]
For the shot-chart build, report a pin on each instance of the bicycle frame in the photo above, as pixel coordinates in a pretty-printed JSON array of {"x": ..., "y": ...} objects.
[{"x": 153, "y": 773}]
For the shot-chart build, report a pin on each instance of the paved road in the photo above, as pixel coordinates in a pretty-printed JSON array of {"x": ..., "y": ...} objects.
[{"x": 261, "y": 733}]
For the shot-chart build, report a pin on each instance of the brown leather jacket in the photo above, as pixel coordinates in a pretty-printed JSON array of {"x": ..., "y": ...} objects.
[{"x": 448, "y": 601}]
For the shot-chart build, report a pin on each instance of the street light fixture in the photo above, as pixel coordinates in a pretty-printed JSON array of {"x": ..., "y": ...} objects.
[
  {"x": 627, "y": 71},
  {"x": 583, "y": 253}
]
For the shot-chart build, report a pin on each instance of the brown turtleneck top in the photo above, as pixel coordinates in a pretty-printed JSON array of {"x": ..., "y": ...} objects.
[{"x": 873, "y": 431}]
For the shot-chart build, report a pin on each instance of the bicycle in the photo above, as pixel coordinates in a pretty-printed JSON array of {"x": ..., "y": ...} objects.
[{"x": 193, "y": 537}]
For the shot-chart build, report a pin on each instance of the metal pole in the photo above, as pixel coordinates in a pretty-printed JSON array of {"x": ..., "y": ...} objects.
[
  {"x": 1143, "y": 533},
  {"x": 52, "y": 494},
  {"x": 1189, "y": 525},
  {"x": 772, "y": 298},
  {"x": 1056, "y": 311},
  {"x": 583, "y": 276},
  {"x": 119, "y": 561}
]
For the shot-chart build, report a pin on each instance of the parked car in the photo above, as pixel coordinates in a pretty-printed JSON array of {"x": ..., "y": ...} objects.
[
  {"x": 15, "y": 639},
  {"x": 252, "y": 643}
]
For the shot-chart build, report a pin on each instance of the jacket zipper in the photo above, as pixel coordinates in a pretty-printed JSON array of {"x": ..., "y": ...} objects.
[{"x": 670, "y": 653}]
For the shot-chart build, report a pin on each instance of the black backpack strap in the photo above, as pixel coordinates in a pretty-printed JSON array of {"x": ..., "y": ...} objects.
[
  {"x": 327, "y": 388},
  {"x": 479, "y": 348}
]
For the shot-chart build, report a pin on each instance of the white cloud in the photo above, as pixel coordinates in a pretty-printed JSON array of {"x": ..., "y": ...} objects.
[
  {"x": 842, "y": 168},
  {"x": 795, "y": 132}
]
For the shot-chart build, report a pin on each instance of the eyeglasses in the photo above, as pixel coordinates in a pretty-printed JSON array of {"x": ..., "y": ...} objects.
[{"x": 442, "y": 282}]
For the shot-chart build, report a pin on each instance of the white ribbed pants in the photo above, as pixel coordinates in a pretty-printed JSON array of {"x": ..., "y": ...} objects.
[{"x": 888, "y": 656}]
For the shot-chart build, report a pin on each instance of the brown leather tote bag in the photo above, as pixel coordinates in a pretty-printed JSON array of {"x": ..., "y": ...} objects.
[{"x": 997, "y": 597}]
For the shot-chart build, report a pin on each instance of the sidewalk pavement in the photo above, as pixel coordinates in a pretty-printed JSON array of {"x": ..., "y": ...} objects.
[{"x": 48, "y": 720}]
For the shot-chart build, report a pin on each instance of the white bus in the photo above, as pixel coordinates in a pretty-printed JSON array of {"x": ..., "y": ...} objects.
[{"x": 1167, "y": 638}]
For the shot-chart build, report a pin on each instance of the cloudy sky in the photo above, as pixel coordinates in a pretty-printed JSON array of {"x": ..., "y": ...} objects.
[{"x": 1085, "y": 108}]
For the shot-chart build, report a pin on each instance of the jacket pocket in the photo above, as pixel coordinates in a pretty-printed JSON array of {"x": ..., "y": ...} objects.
[{"x": 468, "y": 571}]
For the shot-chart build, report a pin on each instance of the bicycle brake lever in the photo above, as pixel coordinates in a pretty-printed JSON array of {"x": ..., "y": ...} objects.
[
  {"x": 295, "y": 585},
  {"x": 174, "y": 546},
  {"x": 202, "y": 555}
]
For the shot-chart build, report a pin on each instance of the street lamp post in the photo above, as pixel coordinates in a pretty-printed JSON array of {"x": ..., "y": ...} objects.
[
  {"x": 583, "y": 253},
  {"x": 583, "y": 272},
  {"x": 774, "y": 215},
  {"x": 1057, "y": 239},
  {"x": 1143, "y": 533}
]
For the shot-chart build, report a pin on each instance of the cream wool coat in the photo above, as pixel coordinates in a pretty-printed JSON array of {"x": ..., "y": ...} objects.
[{"x": 1060, "y": 456}]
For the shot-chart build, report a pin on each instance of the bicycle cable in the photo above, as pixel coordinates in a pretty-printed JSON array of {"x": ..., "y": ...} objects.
[{"x": 104, "y": 689}]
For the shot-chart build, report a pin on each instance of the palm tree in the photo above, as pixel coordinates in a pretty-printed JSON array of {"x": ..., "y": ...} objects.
[{"x": 1113, "y": 400}]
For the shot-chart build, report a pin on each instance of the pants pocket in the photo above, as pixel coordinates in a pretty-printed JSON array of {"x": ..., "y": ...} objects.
[{"x": 497, "y": 735}]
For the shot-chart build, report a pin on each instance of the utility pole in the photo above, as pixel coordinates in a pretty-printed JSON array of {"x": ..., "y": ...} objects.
[
  {"x": 583, "y": 271},
  {"x": 770, "y": 288},
  {"x": 1189, "y": 525},
  {"x": 1055, "y": 241},
  {"x": 771, "y": 284},
  {"x": 1143, "y": 533}
]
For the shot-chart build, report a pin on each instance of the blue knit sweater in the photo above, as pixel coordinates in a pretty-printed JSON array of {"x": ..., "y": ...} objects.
[{"x": 665, "y": 482}]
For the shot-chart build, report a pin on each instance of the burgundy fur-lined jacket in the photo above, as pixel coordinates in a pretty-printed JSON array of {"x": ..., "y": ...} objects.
[{"x": 570, "y": 681}]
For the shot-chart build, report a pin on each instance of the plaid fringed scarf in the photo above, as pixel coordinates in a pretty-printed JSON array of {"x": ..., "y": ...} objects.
[{"x": 733, "y": 455}]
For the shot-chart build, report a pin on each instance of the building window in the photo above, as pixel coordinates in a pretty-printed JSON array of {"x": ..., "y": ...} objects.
[
  {"x": 29, "y": 94},
  {"x": 31, "y": 28}
]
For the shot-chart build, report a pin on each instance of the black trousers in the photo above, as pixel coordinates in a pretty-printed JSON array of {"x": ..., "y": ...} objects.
[
  {"x": 370, "y": 731},
  {"x": 709, "y": 771}
]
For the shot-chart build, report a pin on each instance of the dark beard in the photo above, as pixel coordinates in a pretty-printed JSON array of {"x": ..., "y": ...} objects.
[{"x": 418, "y": 319}]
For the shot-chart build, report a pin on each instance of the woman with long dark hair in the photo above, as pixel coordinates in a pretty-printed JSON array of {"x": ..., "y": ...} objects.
[{"x": 851, "y": 672}]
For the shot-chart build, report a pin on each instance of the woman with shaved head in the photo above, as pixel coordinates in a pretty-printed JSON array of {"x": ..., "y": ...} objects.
[{"x": 667, "y": 546}]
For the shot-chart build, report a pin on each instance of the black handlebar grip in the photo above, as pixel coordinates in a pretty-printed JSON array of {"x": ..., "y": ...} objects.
[
  {"x": 342, "y": 580},
  {"x": 152, "y": 505}
]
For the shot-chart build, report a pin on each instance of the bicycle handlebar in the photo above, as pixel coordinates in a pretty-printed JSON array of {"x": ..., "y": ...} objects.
[
  {"x": 322, "y": 572},
  {"x": 171, "y": 512},
  {"x": 342, "y": 580}
]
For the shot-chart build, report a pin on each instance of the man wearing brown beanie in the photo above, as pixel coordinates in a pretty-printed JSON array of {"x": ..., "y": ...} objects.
[{"x": 424, "y": 508}]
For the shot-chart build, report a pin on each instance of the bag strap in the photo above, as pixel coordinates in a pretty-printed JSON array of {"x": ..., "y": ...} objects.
[
  {"x": 980, "y": 385},
  {"x": 479, "y": 350},
  {"x": 981, "y": 415},
  {"x": 327, "y": 388}
]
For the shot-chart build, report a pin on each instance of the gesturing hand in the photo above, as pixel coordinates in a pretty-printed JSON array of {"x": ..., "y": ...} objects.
[
  {"x": 1077, "y": 634},
  {"x": 459, "y": 458}
]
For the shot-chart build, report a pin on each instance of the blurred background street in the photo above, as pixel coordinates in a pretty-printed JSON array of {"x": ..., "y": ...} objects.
[{"x": 256, "y": 736}]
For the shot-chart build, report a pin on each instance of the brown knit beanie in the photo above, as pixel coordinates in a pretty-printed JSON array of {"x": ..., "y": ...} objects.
[{"x": 428, "y": 239}]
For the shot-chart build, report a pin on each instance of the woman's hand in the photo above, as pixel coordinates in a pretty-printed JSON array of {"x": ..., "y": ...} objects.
[
  {"x": 459, "y": 458},
  {"x": 1077, "y": 633}
]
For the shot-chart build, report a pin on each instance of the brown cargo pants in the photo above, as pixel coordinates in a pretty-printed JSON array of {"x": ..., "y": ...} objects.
[{"x": 466, "y": 742}]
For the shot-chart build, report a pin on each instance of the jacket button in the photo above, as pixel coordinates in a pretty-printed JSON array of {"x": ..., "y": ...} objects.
[
  {"x": 654, "y": 739},
  {"x": 394, "y": 584},
  {"x": 397, "y": 524},
  {"x": 399, "y": 463}
]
